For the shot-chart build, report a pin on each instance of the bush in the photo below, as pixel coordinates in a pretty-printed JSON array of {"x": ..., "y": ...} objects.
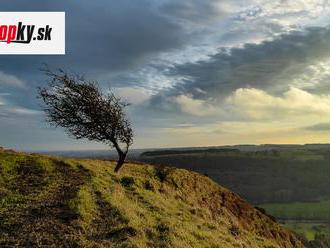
[
  {"x": 162, "y": 172},
  {"x": 149, "y": 186},
  {"x": 127, "y": 182},
  {"x": 263, "y": 211}
]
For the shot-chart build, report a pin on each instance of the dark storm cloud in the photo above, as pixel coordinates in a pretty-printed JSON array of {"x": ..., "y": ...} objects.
[
  {"x": 269, "y": 66},
  {"x": 109, "y": 36},
  {"x": 192, "y": 11},
  {"x": 102, "y": 37}
]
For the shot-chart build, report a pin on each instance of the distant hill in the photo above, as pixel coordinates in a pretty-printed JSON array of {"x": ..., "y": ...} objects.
[
  {"x": 56, "y": 202},
  {"x": 187, "y": 151},
  {"x": 242, "y": 148},
  {"x": 266, "y": 176},
  {"x": 135, "y": 153}
]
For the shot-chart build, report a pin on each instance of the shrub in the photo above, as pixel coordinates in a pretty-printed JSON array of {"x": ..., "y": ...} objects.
[
  {"x": 127, "y": 182},
  {"x": 149, "y": 186},
  {"x": 162, "y": 172},
  {"x": 263, "y": 211}
]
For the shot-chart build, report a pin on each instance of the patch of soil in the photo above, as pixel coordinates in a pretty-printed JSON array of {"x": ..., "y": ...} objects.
[
  {"x": 109, "y": 225},
  {"x": 47, "y": 220},
  {"x": 30, "y": 178}
]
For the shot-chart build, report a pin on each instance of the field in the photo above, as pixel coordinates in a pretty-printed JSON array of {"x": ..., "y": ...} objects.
[
  {"x": 306, "y": 218},
  {"x": 309, "y": 211},
  {"x": 309, "y": 230}
]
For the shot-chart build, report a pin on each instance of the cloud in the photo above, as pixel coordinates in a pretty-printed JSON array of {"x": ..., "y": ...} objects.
[
  {"x": 251, "y": 115},
  {"x": 23, "y": 111},
  {"x": 294, "y": 103},
  {"x": 178, "y": 61},
  {"x": 315, "y": 77},
  {"x": 271, "y": 65},
  {"x": 194, "y": 106},
  {"x": 16, "y": 111},
  {"x": 251, "y": 104},
  {"x": 196, "y": 11},
  {"x": 10, "y": 80},
  {"x": 8, "y": 110},
  {"x": 319, "y": 127},
  {"x": 111, "y": 37},
  {"x": 298, "y": 59},
  {"x": 132, "y": 95}
]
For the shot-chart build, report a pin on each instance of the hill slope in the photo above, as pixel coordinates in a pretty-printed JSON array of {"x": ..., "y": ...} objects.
[{"x": 55, "y": 202}]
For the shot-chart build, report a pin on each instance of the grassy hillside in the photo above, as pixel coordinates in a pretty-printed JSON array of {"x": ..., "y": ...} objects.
[
  {"x": 291, "y": 184},
  {"x": 55, "y": 202}
]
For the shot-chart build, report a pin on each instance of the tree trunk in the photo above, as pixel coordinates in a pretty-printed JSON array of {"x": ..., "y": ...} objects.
[{"x": 121, "y": 160}]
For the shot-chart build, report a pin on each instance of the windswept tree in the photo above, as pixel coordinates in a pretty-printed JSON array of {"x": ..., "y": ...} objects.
[{"x": 80, "y": 107}]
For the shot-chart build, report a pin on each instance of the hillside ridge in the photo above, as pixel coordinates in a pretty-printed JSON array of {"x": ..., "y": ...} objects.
[{"x": 56, "y": 202}]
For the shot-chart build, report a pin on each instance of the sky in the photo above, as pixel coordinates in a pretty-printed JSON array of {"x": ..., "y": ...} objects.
[{"x": 197, "y": 73}]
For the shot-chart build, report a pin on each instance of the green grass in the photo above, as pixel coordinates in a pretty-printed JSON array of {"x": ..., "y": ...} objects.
[
  {"x": 309, "y": 230},
  {"x": 300, "y": 210},
  {"x": 307, "y": 219}
]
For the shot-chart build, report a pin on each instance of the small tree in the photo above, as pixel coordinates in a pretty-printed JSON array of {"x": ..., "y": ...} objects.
[{"x": 84, "y": 111}]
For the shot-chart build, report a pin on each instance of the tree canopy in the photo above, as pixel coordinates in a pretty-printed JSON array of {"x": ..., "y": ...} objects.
[{"x": 84, "y": 111}]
